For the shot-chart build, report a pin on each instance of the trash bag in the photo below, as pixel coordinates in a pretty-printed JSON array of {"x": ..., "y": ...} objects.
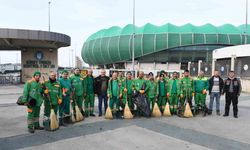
[{"x": 140, "y": 100}]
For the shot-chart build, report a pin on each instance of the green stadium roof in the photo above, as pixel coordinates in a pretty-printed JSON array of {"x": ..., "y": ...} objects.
[{"x": 115, "y": 44}]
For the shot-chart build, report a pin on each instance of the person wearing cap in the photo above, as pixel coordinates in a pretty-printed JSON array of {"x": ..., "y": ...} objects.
[
  {"x": 187, "y": 86},
  {"x": 89, "y": 95},
  {"x": 64, "y": 108},
  {"x": 78, "y": 89},
  {"x": 173, "y": 92},
  {"x": 32, "y": 98},
  {"x": 162, "y": 92},
  {"x": 115, "y": 95},
  {"x": 232, "y": 88},
  {"x": 152, "y": 92},
  {"x": 127, "y": 87},
  {"x": 52, "y": 98},
  {"x": 200, "y": 88}
]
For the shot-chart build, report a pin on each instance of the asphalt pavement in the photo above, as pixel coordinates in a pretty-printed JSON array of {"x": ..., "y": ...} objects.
[{"x": 198, "y": 133}]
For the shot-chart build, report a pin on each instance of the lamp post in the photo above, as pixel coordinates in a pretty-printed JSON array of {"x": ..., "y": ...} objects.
[
  {"x": 49, "y": 13},
  {"x": 246, "y": 21},
  {"x": 133, "y": 40}
]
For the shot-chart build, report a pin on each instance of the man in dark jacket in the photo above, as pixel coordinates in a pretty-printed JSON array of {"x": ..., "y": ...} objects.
[
  {"x": 101, "y": 86},
  {"x": 232, "y": 88},
  {"x": 215, "y": 90}
]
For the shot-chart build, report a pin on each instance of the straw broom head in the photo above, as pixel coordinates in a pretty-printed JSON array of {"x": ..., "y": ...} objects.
[
  {"x": 188, "y": 112},
  {"x": 73, "y": 119},
  {"x": 53, "y": 120},
  {"x": 167, "y": 110},
  {"x": 108, "y": 114},
  {"x": 79, "y": 116},
  {"x": 156, "y": 111},
  {"x": 127, "y": 112}
]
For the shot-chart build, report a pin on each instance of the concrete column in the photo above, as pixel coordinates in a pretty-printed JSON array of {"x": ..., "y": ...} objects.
[
  {"x": 125, "y": 65},
  {"x": 233, "y": 57},
  {"x": 213, "y": 66},
  {"x": 180, "y": 69},
  {"x": 199, "y": 66},
  {"x": 139, "y": 65},
  {"x": 189, "y": 65}
]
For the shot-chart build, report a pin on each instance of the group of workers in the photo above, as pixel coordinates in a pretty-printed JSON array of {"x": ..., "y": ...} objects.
[{"x": 63, "y": 94}]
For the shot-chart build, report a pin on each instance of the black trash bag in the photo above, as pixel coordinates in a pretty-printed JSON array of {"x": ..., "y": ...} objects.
[
  {"x": 19, "y": 101},
  {"x": 140, "y": 100},
  {"x": 32, "y": 102}
]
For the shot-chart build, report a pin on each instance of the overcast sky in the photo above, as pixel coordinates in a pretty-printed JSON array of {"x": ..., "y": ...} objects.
[{"x": 81, "y": 18}]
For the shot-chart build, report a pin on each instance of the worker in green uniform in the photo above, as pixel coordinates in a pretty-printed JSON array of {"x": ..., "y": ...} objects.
[
  {"x": 78, "y": 89},
  {"x": 166, "y": 78},
  {"x": 127, "y": 87},
  {"x": 174, "y": 92},
  {"x": 52, "y": 98},
  {"x": 139, "y": 82},
  {"x": 152, "y": 92},
  {"x": 187, "y": 86},
  {"x": 64, "y": 108},
  {"x": 114, "y": 95},
  {"x": 32, "y": 98},
  {"x": 200, "y": 89},
  {"x": 89, "y": 95},
  {"x": 120, "y": 76},
  {"x": 162, "y": 88}
]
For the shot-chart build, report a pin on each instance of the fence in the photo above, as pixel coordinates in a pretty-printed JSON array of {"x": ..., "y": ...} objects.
[{"x": 8, "y": 79}]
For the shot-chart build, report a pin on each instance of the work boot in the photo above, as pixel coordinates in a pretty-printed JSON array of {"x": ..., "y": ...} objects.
[
  {"x": 209, "y": 112},
  {"x": 92, "y": 115},
  {"x": 39, "y": 128},
  {"x": 235, "y": 115},
  {"x": 61, "y": 122},
  {"x": 225, "y": 115},
  {"x": 218, "y": 112},
  {"x": 31, "y": 130}
]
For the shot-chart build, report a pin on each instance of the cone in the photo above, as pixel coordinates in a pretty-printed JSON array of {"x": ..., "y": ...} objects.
[
  {"x": 156, "y": 111},
  {"x": 188, "y": 112},
  {"x": 127, "y": 112},
  {"x": 53, "y": 120},
  {"x": 73, "y": 119},
  {"x": 108, "y": 114},
  {"x": 167, "y": 110},
  {"x": 79, "y": 116}
]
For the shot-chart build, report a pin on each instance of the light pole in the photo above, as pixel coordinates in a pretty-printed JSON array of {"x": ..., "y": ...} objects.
[
  {"x": 72, "y": 58},
  {"x": 133, "y": 40},
  {"x": 49, "y": 13},
  {"x": 246, "y": 21}
]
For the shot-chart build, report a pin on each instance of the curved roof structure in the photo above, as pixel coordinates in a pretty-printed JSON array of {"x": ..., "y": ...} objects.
[
  {"x": 16, "y": 39},
  {"x": 115, "y": 44}
]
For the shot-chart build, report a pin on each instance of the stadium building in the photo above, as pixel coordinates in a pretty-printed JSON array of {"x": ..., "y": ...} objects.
[{"x": 167, "y": 47}]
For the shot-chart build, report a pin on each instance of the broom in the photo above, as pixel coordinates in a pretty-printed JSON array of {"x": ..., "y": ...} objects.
[
  {"x": 156, "y": 111},
  {"x": 167, "y": 110},
  {"x": 187, "y": 113},
  {"x": 53, "y": 118},
  {"x": 108, "y": 114},
  {"x": 79, "y": 116},
  {"x": 127, "y": 112},
  {"x": 73, "y": 119}
]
